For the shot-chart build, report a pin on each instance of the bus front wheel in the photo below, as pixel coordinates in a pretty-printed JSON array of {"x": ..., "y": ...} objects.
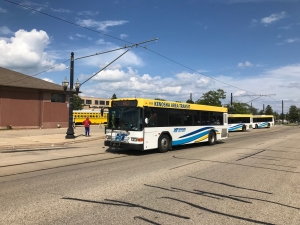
[
  {"x": 211, "y": 138},
  {"x": 256, "y": 126},
  {"x": 163, "y": 143}
]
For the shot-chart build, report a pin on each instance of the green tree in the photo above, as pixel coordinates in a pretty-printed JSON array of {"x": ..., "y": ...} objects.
[
  {"x": 114, "y": 96},
  {"x": 77, "y": 102},
  {"x": 212, "y": 98},
  {"x": 269, "y": 110},
  {"x": 190, "y": 101},
  {"x": 253, "y": 111},
  {"x": 276, "y": 116},
  {"x": 239, "y": 108},
  {"x": 160, "y": 99},
  {"x": 293, "y": 113}
]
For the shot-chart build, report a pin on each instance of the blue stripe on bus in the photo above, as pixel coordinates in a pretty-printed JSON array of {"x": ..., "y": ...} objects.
[
  {"x": 190, "y": 139},
  {"x": 196, "y": 131},
  {"x": 262, "y": 125},
  {"x": 236, "y": 127}
]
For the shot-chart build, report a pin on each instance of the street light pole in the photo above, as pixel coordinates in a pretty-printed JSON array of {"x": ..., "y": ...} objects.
[{"x": 70, "y": 131}]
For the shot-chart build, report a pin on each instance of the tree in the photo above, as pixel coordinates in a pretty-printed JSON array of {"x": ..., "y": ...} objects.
[
  {"x": 160, "y": 99},
  {"x": 269, "y": 110},
  {"x": 77, "y": 102},
  {"x": 212, "y": 98},
  {"x": 190, "y": 101},
  {"x": 253, "y": 111},
  {"x": 239, "y": 108},
  {"x": 293, "y": 113},
  {"x": 114, "y": 96},
  {"x": 276, "y": 116}
]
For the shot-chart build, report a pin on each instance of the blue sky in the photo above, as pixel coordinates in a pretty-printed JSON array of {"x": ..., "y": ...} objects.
[{"x": 245, "y": 47}]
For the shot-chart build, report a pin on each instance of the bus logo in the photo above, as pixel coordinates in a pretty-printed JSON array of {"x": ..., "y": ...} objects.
[
  {"x": 179, "y": 129},
  {"x": 120, "y": 137}
]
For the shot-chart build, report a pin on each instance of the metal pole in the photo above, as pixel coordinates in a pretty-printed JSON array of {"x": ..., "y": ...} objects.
[
  {"x": 70, "y": 131},
  {"x": 282, "y": 113}
]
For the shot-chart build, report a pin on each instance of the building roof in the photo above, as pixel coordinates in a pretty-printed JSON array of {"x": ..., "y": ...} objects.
[{"x": 12, "y": 78}]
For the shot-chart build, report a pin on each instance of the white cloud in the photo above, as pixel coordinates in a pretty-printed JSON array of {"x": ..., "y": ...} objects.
[
  {"x": 61, "y": 10},
  {"x": 25, "y": 52},
  {"x": 100, "y": 25},
  {"x": 289, "y": 71},
  {"x": 273, "y": 18},
  {"x": 2, "y": 10},
  {"x": 246, "y": 64},
  {"x": 88, "y": 13},
  {"x": 47, "y": 79},
  {"x": 122, "y": 36},
  {"x": 292, "y": 40},
  {"x": 5, "y": 30}
]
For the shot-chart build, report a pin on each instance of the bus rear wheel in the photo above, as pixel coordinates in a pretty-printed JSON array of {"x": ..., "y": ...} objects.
[
  {"x": 244, "y": 128},
  {"x": 163, "y": 143},
  {"x": 269, "y": 125},
  {"x": 211, "y": 138}
]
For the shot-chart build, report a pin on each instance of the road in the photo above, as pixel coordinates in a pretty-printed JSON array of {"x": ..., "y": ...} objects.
[{"x": 250, "y": 178}]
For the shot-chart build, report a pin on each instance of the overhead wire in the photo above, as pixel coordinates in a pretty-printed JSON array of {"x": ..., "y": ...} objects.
[
  {"x": 27, "y": 7},
  {"x": 127, "y": 42}
]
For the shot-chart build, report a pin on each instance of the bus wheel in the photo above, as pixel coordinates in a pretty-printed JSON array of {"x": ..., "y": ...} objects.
[
  {"x": 269, "y": 125},
  {"x": 211, "y": 138},
  {"x": 244, "y": 128},
  {"x": 163, "y": 143},
  {"x": 256, "y": 126}
]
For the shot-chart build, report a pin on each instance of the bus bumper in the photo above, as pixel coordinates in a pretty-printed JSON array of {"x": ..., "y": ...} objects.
[{"x": 138, "y": 147}]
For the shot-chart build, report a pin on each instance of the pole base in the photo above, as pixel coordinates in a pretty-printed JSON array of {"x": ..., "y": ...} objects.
[
  {"x": 70, "y": 136},
  {"x": 70, "y": 133}
]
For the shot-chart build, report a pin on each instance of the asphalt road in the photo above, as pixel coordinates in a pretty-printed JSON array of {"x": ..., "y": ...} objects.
[{"x": 250, "y": 178}]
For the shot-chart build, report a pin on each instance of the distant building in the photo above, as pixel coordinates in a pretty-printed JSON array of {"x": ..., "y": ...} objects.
[
  {"x": 92, "y": 103},
  {"x": 29, "y": 102}
]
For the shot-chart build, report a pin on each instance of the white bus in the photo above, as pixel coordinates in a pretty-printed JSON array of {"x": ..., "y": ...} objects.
[
  {"x": 240, "y": 122},
  {"x": 263, "y": 121},
  {"x": 142, "y": 124}
]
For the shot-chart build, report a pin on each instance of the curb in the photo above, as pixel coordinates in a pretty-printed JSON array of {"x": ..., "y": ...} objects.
[{"x": 45, "y": 145}]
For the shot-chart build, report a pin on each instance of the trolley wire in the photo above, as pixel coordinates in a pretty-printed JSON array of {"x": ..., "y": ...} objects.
[{"x": 165, "y": 57}]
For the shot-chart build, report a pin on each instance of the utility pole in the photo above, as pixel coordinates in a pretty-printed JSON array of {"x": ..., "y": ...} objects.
[{"x": 282, "y": 113}]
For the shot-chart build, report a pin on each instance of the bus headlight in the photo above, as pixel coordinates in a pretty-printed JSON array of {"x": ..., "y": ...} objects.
[
  {"x": 137, "y": 139},
  {"x": 108, "y": 137}
]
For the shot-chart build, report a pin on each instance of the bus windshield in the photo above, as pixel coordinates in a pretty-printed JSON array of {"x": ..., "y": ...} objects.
[{"x": 125, "y": 118}]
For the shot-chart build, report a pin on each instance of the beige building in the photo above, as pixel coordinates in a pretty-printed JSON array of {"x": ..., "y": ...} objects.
[{"x": 90, "y": 103}]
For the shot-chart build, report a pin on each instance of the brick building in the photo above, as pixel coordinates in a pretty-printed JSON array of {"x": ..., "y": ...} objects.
[{"x": 29, "y": 102}]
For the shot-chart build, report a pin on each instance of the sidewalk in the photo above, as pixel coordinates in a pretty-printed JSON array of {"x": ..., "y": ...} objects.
[{"x": 45, "y": 138}]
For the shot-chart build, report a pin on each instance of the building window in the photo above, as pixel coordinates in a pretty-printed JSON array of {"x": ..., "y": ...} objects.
[
  {"x": 58, "y": 98},
  {"x": 102, "y": 102},
  {"x": 107, "y": 103},
  {"x": 88, "y": 102},
  {"x": 96, "y": 102},
  {"x": 82, "y": 101}
]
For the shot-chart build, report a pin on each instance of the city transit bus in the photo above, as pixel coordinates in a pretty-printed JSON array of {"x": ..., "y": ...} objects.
[
  {"x": 240, "y": 122},
  {"x": 263, "y": 121},
  {"x": 143, "y": 124}
]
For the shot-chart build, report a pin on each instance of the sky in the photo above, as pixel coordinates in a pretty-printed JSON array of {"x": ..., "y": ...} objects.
[{"x": 249, "y": 48}]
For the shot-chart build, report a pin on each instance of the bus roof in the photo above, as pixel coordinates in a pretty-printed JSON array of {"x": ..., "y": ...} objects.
[
  {"x": 240, "y": 115},
  {"x": 262, "y": 116},
  {"x": 142, "y": 102}
]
